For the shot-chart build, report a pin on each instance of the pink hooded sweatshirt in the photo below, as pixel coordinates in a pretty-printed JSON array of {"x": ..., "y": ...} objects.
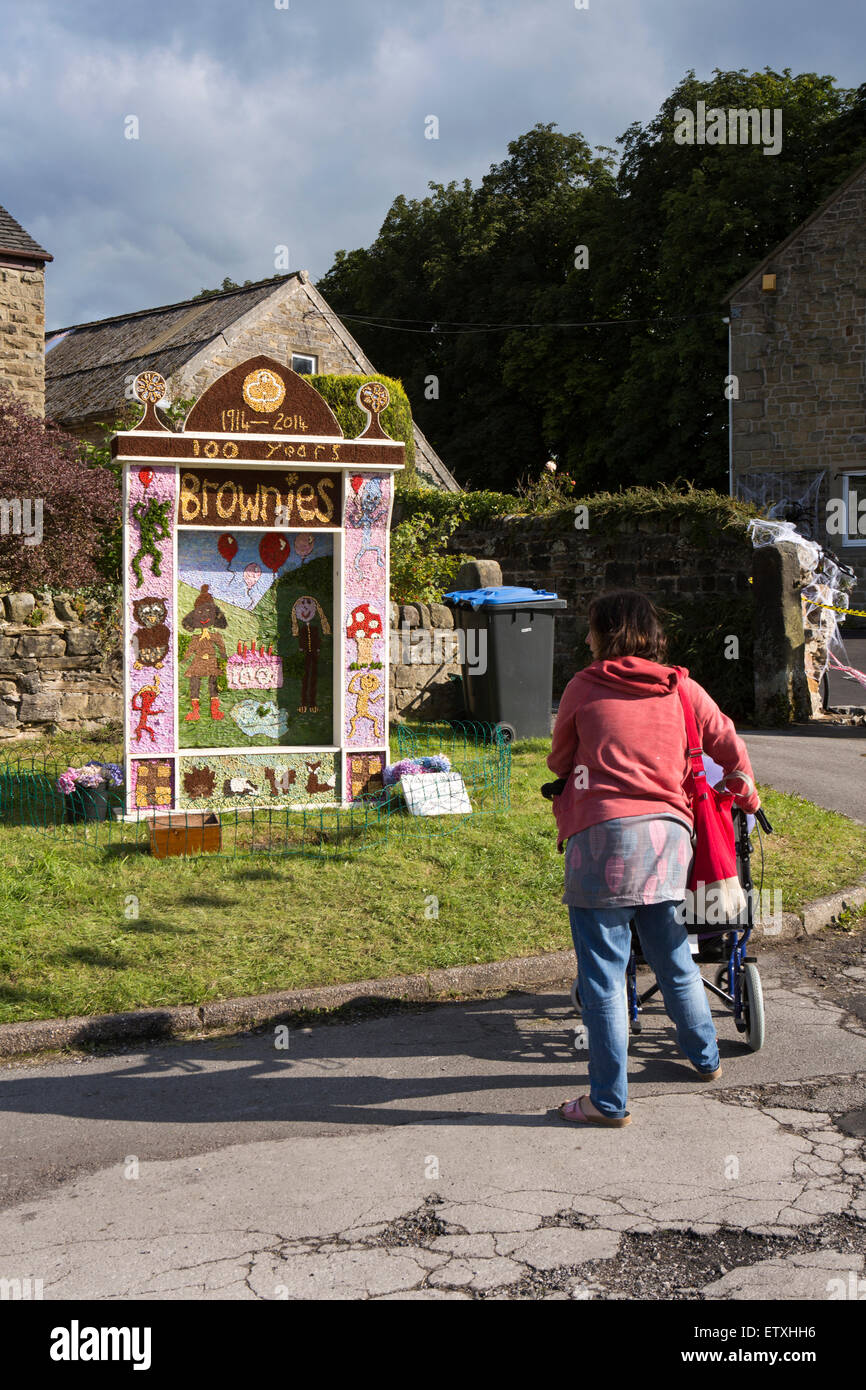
[{"x": 622, "y": 722}]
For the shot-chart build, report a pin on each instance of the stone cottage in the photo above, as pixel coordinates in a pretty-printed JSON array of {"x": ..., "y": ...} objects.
[
  {"x": 798, "y": 331},
  {"x": 90, "y": 365},
  {"x": 22, "y": 313}
]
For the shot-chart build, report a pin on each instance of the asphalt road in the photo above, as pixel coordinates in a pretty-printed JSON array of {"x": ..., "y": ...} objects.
[
  {"x": 825, "y": 764},
  {"x": 416, "y": 1155},
  {"x": 845, "y": 690}
]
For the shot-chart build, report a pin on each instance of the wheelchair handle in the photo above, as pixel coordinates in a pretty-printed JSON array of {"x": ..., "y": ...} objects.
[{"x": 763, "y": 822}]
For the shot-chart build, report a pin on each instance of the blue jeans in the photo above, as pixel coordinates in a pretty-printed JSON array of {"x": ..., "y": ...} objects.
[{"x": 602, "y": 940}]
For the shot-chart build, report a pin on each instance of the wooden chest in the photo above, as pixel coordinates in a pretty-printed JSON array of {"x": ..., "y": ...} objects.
[{"x": 185, "y": 832}]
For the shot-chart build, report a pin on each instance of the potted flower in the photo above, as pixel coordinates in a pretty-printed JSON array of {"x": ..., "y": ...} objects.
[
  {"x": 410, "y": 767},
  {"x": 86, "y": 789},
  {"x": 392, "y": 774}
]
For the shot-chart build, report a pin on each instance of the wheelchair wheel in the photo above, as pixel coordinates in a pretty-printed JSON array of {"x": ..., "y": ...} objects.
[
  {"x": 720, "y": 978},
  {"x": 575, "y": 997},
  {"x": 753, "y": 1007}
]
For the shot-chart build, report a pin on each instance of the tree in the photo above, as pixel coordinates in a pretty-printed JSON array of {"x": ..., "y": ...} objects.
[
  {"x": 637, "y": 396},
  {"x": 229, "y": 284},
  {"x": 692, "y": 220},
  {"x": 49, "y": 489},
  {"x": 476, "y": 257}
]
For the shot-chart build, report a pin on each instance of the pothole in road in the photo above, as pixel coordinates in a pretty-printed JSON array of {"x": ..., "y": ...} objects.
[
  {"x": 416, "y": 1228},
  {"x": 662, "y": 1265},
  {"x": 676, "y": 1265},
  {"x": 836, "y": 1096}
]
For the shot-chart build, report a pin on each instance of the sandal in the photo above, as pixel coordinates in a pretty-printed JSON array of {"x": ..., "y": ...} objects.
[
  {"x": 704, "y": 1075},
  {"x": 579, "y": 1115}
]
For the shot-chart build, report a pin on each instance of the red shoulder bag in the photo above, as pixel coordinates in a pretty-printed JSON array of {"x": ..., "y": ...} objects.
[{"x": 714, "y": 894}]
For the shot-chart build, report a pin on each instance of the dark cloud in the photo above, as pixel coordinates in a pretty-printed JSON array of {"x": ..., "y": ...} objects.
[{"x": 261, "y": 127}]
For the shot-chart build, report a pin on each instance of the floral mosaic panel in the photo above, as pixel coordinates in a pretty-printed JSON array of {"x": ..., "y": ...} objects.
[
  {"x": 150, "y": 620},
  {"x": 151, "y": 784},
  {"x": 364, "y": 774},
  {"x": 255, "y": 641},
  {"x": 229, "y": 781},
  {"x": 367, "y": 511}
]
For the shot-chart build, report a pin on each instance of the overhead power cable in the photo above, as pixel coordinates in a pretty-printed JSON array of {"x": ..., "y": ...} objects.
[{"x": 453, "y": 327}]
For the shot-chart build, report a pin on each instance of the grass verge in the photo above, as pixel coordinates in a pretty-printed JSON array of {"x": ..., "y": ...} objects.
[{"x": 88, "y": 930}]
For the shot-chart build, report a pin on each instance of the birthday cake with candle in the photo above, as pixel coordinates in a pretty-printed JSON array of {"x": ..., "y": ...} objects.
[{"x": 254, "y": 669}]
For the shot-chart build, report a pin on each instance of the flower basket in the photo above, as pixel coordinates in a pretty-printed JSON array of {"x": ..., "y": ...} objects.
[
  {"x": 87, "y": 804},
  {"x": 87, "y": 790}
]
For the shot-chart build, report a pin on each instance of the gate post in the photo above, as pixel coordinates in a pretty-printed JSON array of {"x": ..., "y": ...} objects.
[{"x": 781, "y": 689}]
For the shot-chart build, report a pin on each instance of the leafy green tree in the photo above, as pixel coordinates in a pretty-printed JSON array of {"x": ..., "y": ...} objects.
[
  {"x": 617, "y": 366},
  {"x": 229, "y": 284},
  {"x": 477, "y": 257},
  {"x": 693, "y": 220}
]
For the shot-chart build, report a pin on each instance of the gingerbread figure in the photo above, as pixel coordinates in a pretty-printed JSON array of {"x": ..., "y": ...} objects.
[{"x": 367, "y": 687}]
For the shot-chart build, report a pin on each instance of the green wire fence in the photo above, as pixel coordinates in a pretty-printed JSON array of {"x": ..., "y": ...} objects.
[{"x": 424, "y": 808}]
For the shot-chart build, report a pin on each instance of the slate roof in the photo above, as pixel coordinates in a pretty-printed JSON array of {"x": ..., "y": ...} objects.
[
  {"x": 15, "y": 241},
  {"x": 87, "y": 366}
]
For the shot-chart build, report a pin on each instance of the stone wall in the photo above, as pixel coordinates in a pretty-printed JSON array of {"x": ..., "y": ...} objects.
[
  {"x": 60, "y": 665},
  {"x": 424, "y": 663},
  {"x": 797, "y": 352},
  {"x": 22, "y": 334},
  {"x": 65, "y": 670},
  {"x": 666, "y": 558}
]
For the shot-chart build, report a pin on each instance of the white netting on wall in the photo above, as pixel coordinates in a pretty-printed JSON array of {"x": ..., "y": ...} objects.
[
  {"x": 826, "y": 588},
  {"x": 786, "y": 495}
]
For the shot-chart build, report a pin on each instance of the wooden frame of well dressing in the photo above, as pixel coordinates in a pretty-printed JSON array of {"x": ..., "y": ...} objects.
[{"x": 261, "y": 477}]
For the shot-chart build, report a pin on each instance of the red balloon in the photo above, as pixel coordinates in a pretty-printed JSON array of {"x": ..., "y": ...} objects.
[
  {"x": 145, "y": 477},
  {"x": 274, "y": 550},
  {"x": 227, "y": 547},
  {"x": 357, "y": 484}
]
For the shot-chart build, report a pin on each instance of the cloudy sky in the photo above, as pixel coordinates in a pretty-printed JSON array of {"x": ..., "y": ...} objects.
[{"x": 267, "y": 123}]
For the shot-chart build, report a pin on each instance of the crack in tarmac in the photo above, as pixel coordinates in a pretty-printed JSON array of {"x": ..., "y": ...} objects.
[
  {"x": 666, "y": 1264},
  {"x": 620, "y": 1249}
]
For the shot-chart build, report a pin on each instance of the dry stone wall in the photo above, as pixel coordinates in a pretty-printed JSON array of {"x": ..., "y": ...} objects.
[
  {"x": 668, "y": 559},
  {"x": 425, "y": 671},
  {"x": 60, "y": 665},
  {"x": 60, "y": 661}
]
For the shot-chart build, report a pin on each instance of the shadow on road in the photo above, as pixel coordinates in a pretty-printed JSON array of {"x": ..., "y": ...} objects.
[{"x": 247, "y": 1078}]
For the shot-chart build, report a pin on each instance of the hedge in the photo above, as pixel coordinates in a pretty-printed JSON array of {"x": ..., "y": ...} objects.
[
  {"x": 340, "y": 393},
  {"x": 705, "y": 511},
  {"x": 696, "y": 629}
]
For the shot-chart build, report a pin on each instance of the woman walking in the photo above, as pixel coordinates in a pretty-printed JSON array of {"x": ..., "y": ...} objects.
[{"x": 625, "y": 821}]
